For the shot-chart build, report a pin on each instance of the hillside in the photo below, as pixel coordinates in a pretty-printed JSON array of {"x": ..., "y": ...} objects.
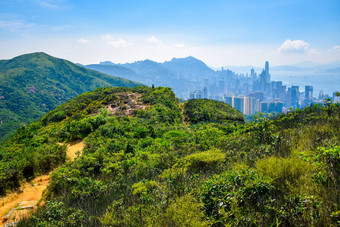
[
  {"x": 115, "y": 70},
  {"x": 33, "y": 84},
  {"x": 150, "y": 161},
  {"x": 190, "y": 68}
]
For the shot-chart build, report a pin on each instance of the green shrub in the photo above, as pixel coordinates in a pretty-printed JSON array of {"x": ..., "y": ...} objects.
[
  {"x": 290, "y": 174},
  {"x": 235, "y": 197},
  {"x": 183, "y": 211}
]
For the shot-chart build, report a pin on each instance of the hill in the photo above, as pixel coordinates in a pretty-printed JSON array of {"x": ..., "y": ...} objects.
[
  {"x": 189, "y": 68},
  {"x": 115, "y": 70},
  {"x": 33, "y": 84},
  {"x": 179, "y": 73},
  {"x": 149, "y": 160}
]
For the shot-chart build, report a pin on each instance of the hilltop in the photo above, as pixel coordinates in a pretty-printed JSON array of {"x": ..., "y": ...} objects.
[
  {"x": 33, "y": 84},
  {"x": 149, "y": 160}
]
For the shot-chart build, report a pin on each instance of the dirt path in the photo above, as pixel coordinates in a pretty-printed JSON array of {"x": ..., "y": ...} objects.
[{"x": 17, "y": 205}]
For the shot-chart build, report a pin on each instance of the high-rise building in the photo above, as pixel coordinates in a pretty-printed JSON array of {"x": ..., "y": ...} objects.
[
  {"x": 264, "y": 106},
  {"x": 239, "y": 104},
  {"x": 252, "y": 72},
  {"x": 295, "y": 96},
  {"x": 248, "y": 106},
  {"x": 229, "y": 100},
  {"x": 308, "y": 93},
  {"x": 267, "y": 72},
  {"x": 205, "y": 92},
  {"x": 197, "y": 94}
]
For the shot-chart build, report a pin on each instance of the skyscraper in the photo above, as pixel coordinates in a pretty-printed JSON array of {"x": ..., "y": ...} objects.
[
  {"x": 309, "y": 93},
  {"x": 205, "y": 92},
  {"x": 295, "y": 96},
  {"x": 267, "y": 72},
  {"x": 239, "y": 104}
]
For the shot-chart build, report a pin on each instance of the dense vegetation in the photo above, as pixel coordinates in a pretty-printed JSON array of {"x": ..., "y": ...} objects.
[
  {"x": 170, "y": 164},
  {"x": 33, "y": 84}
]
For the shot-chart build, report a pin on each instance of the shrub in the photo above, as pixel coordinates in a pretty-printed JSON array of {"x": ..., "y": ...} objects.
[
  {"x": 235, "y": 197},
  {"x": 184, "y": 211},
  {"x": 290, "y": 174}
]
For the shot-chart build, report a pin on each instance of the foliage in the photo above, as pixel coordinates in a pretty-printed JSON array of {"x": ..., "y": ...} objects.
[
  {"x": 33, "y": 84},
  {"x": 235, "y": 197},
  {"x": 154, "y": 167},
  {"x": 200, "y": 110}
]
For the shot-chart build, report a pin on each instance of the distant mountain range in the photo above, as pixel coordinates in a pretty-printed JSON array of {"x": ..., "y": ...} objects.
[
  {"x": 33, "y": 84},
  {"x": 180, "y": 73},
  {"x": 175, "y": 73}
]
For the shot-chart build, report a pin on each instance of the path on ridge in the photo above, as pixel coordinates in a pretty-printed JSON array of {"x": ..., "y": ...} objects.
[{"x": 17, "y": 205}]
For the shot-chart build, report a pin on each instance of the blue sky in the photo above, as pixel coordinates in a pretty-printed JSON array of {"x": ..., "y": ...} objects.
[{"x": 219, "y": 32}]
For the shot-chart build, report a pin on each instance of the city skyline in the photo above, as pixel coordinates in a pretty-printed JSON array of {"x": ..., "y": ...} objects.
[{"x": 218, "y": 32}]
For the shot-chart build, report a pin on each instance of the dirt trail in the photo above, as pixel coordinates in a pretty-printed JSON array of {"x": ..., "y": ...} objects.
[{"x": 17, "y": 205}]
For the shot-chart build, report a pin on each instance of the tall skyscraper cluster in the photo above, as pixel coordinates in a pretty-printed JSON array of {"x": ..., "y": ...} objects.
[{"x": 254, "y": 92}]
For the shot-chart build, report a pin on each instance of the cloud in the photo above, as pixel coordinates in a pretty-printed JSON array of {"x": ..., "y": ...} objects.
[
  {"x": 153, "y": 39},
  {"x": 336, "y": 48},
  {"x": 16, "y": 25},
  {"x": 84, "y": 41},
  {"x": 51, "y": 4},
  {"x": 179, "y": 45},
  {"x": 294, "y": 46},
  {"x": 106, "y": 37},
  {"x": 119, "y": 43}
]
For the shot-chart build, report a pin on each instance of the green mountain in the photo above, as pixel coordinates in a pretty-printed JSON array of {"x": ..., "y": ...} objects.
[
  {"x": 33, "y": 84},
  {"x": 149, "y": 160}
]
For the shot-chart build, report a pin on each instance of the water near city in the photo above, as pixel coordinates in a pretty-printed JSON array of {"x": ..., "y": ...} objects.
[{"x": 327, "y": 83}]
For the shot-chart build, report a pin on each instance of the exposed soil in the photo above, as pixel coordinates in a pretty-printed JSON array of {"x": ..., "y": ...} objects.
[
  {"x": 20, "y": 204},
  {"x": 74, "y": 149},
  {"x": 126, "y": 104}
]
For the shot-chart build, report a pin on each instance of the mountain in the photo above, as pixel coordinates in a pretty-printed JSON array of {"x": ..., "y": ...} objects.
[
  {"x": 243, "y": 69},
  {"x": 287, "y": 68},
  {"x": 148, "y": 72},
  {"x": 153, "y": 72},
  {"x": 33, "y": 84},
  {"x": 334, "y": 70},
  {"x": 179, "y": 73},
  {"x": 189, "y": 68},
  {"x": 149, "y": 160},
  {"x": 115, "y": 70}
]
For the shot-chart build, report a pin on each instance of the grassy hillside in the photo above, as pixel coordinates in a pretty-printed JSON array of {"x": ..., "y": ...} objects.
[
  {"x": 33, "y": 84},
  {"x": 148, "y": 162}
]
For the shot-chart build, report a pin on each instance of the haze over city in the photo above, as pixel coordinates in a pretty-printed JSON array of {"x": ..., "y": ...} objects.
[{"x": 219, "y": 33}]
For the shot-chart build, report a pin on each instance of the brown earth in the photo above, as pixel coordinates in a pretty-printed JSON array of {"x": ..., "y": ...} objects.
[
  {"x": 127, "y": 104},
  {"x": 17, "y": 205}
]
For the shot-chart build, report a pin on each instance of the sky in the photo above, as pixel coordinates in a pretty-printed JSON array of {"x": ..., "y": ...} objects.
[{"x": 219, "y": 32}]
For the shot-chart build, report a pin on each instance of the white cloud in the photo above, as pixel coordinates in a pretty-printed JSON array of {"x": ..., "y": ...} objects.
[
  {"x": 119, "y": 43},
  {"x": 294, "y": 46},
  {"x": 84, "y": 41},
  {"x": 106, "y": 37},
  {"x": 153, "y": 39},
  {"x": 179, "y": 45},
  {"x": 336, "y": 48},
  {"x": 51, "y": 4}
]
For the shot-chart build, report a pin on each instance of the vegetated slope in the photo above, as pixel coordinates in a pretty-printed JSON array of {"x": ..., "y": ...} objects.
[
  {"x": 152, "y": 169},
  {"x": 33, "y": 84},
  {"x": 203, "y": 110}
]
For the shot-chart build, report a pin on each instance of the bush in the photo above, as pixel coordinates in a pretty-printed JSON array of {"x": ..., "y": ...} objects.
[
  {"x": 290, "y": 174},
  {"x": 184, "y": 211},
  {"x": 235, "y": 197}
]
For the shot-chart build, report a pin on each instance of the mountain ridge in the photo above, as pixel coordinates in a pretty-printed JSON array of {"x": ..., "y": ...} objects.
[{"x": 32, "y": 84}]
